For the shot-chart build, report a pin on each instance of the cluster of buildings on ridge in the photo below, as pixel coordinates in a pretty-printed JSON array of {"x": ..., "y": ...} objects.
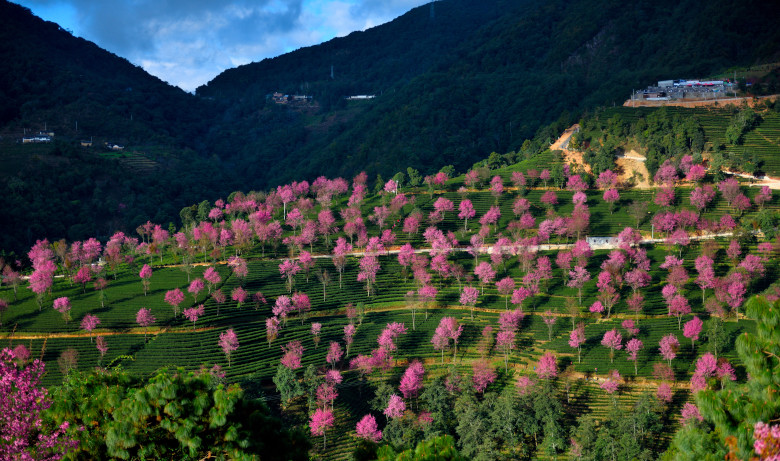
[
  {"x": 685, "y": 89},
  {"x": 281, "y": 98},
  {"x": 48, "y": 136},
  {"x": 42, "y": 136}
]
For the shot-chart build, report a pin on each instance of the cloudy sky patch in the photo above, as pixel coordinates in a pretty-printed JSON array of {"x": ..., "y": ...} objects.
[{"x": 189, "y": 42}]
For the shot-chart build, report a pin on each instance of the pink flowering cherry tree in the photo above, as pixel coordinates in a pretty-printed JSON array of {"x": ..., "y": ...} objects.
[
  {"x": 411, "y": 382},
  {"x": 767, "y": 440},
  {"x": 549, "y": 319},
  {"x": 505, "y": 287},
  {"x": 349, "y": 336},
  {"x": 448, "y": 330},
  {"x": 288, "y": 268},
  {"x": 316, "y": 329},
  {"x": 633, "y": 346},
  {"x": 669, "y": 345},
  {"x": 194, "y": 313},
  {"x": 83, "y": 276},
  {"x": 484, "y": 271},
  {"x": 369, "y": 267},
  {"x": 483, "y": 375},
  {"x": 690, "y": 413},
  {"x": 577, "y": 339},
  {"x": 427, "y": 295},
  {"x": 577, "y": 279},
  {"x": 212, "y": 278},
  {"x": 239, "y": 295},
  {"x": 335, "y": 353},
  {"x": 146, "y": 276},
  {"x": 613, "y": 341},
  {"x": 21, "y": 406},
  {"x": 89, "y": 323},
  {"x": 322, "y": 420},
  {"x": 272, "y": 328},
  {"x": 196, "y": 286},
  {"x": 174, "y": 297},
  {"x": 678, "y": 305},
  {"x": 395, "y": 407},
  {"x": 468, "y": 297},
  {"x": 101, "y": 346},
  {"x": 466, "y": 212},
  {"x": 547, "y": 367},
  {"x": 505, "y": 341},
  {"x": 228, "y": 342},
  {"x": 691, "y": 330},
  {"x": 664, "y": 393},
  {"x": 293, "y": 353},
  {"x": 629, "y": 326},
  {"x": 612, "y": 383},
  {"x": 62, "y": 305},
  {"x": 219, "y": 298},
  {"x": 367, "y": 429},
  {"x": 145, "y": 319}
]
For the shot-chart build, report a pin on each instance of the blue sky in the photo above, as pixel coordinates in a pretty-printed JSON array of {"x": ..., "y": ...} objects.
[{"x": 189, "y": 42}]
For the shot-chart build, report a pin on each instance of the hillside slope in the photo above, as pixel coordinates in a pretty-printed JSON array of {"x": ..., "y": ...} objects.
[
  {"x": 454, "y": 82},
  {"x": 70, "y": 86},
  {"x": 528, "y": 70}
]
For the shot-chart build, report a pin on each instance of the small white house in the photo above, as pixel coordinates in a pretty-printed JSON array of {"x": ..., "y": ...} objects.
[{"x": 596, "y": 242}]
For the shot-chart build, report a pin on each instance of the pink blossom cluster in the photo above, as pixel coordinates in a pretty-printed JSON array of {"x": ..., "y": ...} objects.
[
  {"x": 767, "y": 441},
  {"x": 411, "y": 382},
  {"x": 612, "y": 383},
  {"x": 367, "y": 429},
  {"x": 293, "y": 352},
  {"x": 21, "y": 403}
]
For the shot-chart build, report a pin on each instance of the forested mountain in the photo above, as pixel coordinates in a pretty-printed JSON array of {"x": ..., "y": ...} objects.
[
  {"x": 489, "y": 88},
  {"x": 366, "y": 62},
  {"x": 454, "y": 81}
]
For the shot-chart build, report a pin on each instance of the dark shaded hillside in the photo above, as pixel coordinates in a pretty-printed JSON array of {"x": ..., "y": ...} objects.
[
  {"x": 61, "y": 191},
  {"x": 54, "y": 80},
  {"x": 491, "y": 92},
  {"x": 51, "y": 76},
  {"x": 364, "y": 62}
]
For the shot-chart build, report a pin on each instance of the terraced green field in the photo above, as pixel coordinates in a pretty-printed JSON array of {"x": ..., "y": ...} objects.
[{"x": 172, "y": 341}]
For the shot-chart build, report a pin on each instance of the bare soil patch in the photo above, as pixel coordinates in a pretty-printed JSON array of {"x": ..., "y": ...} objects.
[{"x": 633, "y": 162}]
